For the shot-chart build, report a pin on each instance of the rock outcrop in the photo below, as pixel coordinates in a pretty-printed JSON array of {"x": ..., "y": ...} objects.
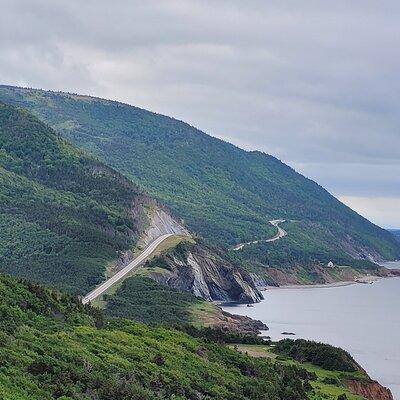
[
  {"x": 371, "y": 390},
  {"x": 198, "y": 269},
  {"x": 230, "y": 322},
  {"x": 161, "y": 223}
]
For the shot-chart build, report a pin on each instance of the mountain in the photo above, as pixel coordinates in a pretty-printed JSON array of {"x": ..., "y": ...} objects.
[
  {"x": 223, "y": 193},
  {"x": 58, "y": 224},
  {"x": 66, "y": 219}
]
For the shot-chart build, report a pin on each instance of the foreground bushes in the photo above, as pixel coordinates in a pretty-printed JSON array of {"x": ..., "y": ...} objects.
[{"x": 57, "y": 348}]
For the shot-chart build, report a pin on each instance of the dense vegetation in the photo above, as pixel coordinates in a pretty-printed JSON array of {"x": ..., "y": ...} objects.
[
  {"x": 323, "y": 355},
  {"x": 145, "y": 300},
  {"x": 63, "y": 215},
  {"x": 223, "y": 193},
  {"x": 53, "y": 347}
]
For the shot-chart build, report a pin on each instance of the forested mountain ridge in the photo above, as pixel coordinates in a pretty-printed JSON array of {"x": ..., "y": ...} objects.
[
  {"x": 222, "y": 192},
  {"x": 58, "y": 224},
  {"x": 65, "y": 217}
]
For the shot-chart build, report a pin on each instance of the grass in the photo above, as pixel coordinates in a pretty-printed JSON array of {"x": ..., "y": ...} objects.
[
  {"x": 170, "y": 243},
  {"x": 255, "y": 350},
  {"x": 331, "y": 392},
  {"x": 203, "y": 314}
]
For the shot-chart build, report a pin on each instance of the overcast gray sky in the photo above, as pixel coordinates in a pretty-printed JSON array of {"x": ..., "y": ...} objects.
[{"x": 314, "y": 83}]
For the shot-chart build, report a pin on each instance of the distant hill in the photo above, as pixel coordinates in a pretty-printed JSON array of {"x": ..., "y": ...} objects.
[
  {"x": 58, "y": 224},
  {"x": 222, "y": 192}
]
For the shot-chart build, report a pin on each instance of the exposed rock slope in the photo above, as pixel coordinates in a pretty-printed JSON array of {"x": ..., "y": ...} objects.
[
  {"x": 369, "y": 389},
  {"x": 199, "y": 269},
  {"x": 160, "y": 224}
]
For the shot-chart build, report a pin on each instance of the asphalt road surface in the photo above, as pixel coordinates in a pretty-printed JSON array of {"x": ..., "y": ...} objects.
[
  {"x": 280, "y": 234},
  {"x": 140, "y": 259}
]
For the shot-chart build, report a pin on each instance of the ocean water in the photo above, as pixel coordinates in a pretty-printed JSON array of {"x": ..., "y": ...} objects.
[{"x": 363, "y": 319}]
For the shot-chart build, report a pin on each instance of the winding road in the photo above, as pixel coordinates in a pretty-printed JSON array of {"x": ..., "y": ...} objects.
[
  {"x": 140, "y": 259},
  {"x": 146, "y": 253},
  {"x": 280, "y": 234}
]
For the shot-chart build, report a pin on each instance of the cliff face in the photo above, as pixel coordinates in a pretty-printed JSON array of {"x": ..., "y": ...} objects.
[
  {"x": 161, "y": 222},
  {"x": 217, "y": 318},
  {"x": 198, "y": 269},
  {"x": 371, "y": 390}
]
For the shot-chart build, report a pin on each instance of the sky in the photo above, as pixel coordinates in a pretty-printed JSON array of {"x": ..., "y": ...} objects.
[{"x": 313, "y": 83}]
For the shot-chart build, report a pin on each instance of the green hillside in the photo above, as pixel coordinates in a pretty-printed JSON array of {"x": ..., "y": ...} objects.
[
  {"x": 222, "y": 192},
  {"x": 53, "y": 347},
  {"x": 144, "y": 300},
  {"x": 57, "y": 223}
]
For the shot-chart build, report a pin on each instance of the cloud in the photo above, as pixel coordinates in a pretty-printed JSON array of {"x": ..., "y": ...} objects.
[
  {"x": 378, "y": 209},
  {"x": 315, "y": 84}
]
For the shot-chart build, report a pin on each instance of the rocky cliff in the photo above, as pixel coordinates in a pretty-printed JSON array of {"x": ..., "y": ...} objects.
[
  {"x": 214, "y": 317},
  {"x": 203, "y": 271},
  {"x": 161, "y": 223},
  {"x": 370, "y": 389}
]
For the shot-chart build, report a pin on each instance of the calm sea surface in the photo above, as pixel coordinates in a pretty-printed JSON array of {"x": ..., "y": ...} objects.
[{"x": 364, "y": 319}]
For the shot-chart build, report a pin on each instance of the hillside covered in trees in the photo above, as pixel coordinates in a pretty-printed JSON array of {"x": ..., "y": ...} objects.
[
  {"x": 223, "y": 193},
  {"x": 57, "y": 223},
  {"x": 66, "y": 218}
]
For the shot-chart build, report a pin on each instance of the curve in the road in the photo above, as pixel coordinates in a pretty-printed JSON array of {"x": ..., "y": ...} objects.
[
  {"x": 140, "y": 259},
  {"x": 280, "y": 234}
]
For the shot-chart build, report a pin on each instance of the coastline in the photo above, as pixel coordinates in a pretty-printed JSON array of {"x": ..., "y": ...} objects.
[
  {"x": 368, "y": 279},
  {"x": 362, "y": 280},
  {"x": 311, "y": 286},
  {"x": 341, "y": 321}
]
